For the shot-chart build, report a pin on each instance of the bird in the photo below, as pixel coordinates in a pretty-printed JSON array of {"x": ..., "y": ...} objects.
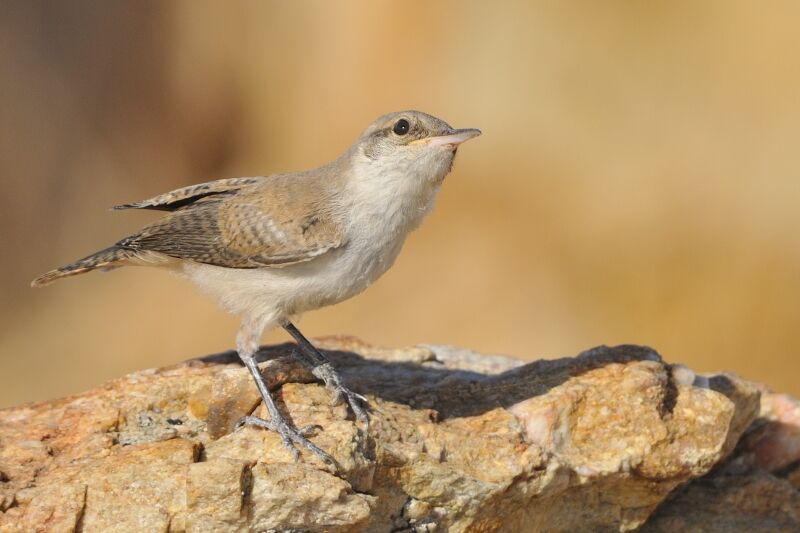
[{"x": 270, "y": 248}]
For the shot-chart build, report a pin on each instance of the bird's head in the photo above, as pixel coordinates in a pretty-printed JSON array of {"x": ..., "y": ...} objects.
[{"x": 410, "y": 145}]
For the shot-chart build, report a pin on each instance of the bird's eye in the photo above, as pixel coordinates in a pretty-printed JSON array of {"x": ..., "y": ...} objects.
[{"x": 401, "y": 127}]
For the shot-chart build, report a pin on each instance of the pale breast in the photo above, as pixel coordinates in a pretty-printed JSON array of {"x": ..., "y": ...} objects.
[{"x": 376, "y": 221}]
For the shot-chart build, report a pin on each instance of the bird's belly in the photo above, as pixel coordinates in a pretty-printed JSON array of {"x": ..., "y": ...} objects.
[
  {"x": 343, "y": 275},
  {"x": 278, "y": 293}
]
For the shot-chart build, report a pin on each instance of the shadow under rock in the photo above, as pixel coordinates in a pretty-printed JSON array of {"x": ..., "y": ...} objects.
[{"x": 454, "y": 392}]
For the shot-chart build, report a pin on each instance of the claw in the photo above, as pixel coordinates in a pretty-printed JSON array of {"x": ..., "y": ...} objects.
[{"x": 360, "y": 397}]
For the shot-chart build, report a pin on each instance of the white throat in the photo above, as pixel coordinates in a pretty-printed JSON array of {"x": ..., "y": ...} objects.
[{"x": 391, "y": 196}]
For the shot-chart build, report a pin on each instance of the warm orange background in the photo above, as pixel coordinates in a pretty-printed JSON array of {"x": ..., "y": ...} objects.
[{"x": 637, "y": 180}]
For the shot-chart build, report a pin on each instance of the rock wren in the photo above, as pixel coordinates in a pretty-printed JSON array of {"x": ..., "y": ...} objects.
[{"x": 270, "y": 248}]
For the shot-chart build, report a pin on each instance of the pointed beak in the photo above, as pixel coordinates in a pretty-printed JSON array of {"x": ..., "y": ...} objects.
[{"x": 455, "y": 137}]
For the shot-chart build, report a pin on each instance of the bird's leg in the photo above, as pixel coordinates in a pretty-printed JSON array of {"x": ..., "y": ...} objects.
[
  {"x": 323, "y": 369},
  {"x": 247, "y": 345}
]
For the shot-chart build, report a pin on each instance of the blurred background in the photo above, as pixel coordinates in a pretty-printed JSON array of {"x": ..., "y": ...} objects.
[{"x": 636, "y": 181}]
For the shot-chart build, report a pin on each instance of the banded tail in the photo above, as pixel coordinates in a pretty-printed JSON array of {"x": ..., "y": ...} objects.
[{"x": 109, "y": 258}]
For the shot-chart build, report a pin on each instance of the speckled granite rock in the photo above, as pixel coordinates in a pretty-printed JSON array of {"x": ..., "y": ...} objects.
[{"x": 458, "y": 442}]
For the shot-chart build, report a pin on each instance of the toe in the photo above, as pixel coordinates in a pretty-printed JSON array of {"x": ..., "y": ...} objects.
[
  {"x": 292, "y": 448},
  {"x": 298, "y": 438},
  {"x": 291, "y": 437},
  {"x": 310, "y": 430},
  {"x": 245, "y": 420},
  {"x": 338, "y": 397},
  {"x": 254, "y": 421},
  {"x": 359, "y": 404}
]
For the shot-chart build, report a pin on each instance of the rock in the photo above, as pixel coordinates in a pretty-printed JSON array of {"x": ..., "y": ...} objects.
[
  {"x": 458, "y": 442},
  {"x": 756, "y": 489},
  {"x": 749, "y": 501},
  {"x": 774, "y": 441}
]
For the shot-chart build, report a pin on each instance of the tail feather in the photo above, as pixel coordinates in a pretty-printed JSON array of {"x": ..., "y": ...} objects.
[{"x": 108, "y": 258}]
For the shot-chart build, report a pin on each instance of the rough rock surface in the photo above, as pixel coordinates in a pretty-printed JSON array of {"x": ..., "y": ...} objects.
[
  {"x": 611, "y": 440},
  {"x": 756, "y": 489}
]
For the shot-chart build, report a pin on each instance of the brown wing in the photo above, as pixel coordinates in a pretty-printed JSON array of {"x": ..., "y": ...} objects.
[
  {"x": 170, "y": 201},
  {"x": 281, "y": 221}
]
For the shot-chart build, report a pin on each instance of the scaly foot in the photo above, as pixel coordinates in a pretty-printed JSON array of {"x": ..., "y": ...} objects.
[
  {"x": 290, "y": 436},
  {"x": 333, "y": 382}
]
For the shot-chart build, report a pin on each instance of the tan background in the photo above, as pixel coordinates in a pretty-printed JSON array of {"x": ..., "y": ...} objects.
[{"x": 637, "y": 180}]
